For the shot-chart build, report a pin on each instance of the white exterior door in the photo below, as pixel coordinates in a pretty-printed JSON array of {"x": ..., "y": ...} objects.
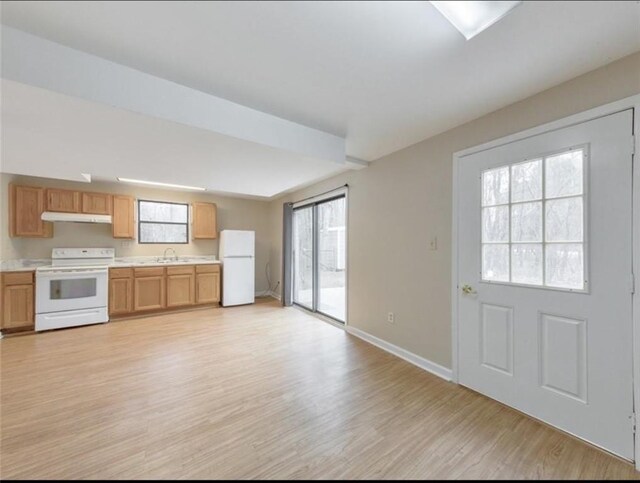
[{"x": 544, "y": 275}]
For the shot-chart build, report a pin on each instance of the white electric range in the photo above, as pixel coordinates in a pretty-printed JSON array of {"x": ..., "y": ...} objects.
[{"x": 74, "y": 289}]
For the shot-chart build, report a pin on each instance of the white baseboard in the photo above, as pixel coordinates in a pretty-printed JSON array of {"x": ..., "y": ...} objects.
[
  {"x": 274, "y": 295},
  {"x": 421, "y": 362}
]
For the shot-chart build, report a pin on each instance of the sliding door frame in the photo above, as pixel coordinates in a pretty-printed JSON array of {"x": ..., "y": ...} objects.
[{"x": 314, "y": 203}]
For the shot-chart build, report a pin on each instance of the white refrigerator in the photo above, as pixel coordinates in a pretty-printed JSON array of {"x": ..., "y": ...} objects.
[{"x": 237, "y": 254}]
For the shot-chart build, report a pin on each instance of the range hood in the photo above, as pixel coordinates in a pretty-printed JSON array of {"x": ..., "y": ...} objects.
[{"x": 75, "y": 217}]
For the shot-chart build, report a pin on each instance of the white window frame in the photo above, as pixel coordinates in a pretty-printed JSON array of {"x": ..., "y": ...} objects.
[
  {"x": 585, "y": 220},
  {"x": 139, "y": 222}
]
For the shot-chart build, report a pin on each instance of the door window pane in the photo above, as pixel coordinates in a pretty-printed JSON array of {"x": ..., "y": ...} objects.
[
  {"x": 564, "y": 265},
  {"x": 526, "y": 264},
  {"x": 303, "y": 256},
  {"x": 495, "y": 262},
  {"x": 332, "y": 258},
  {"x": 495, "y": 187},
  {"x": 495, "y": 224},
  {"x": 564, "y": 174},
  {"x": 564, "y": 220},
  {"x": 526, "y": 222},
  {"x": 533, "y": 232},
  {"x": 526, "y": 181}
]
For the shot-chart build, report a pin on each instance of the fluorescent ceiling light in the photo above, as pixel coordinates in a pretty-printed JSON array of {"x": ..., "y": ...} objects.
[
  {"x": 471, "y": 18},
  {"x": 155, "y": 183}
]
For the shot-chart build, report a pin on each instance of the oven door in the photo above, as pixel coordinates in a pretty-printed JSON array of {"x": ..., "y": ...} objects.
[{"x": 60, "y": 290}]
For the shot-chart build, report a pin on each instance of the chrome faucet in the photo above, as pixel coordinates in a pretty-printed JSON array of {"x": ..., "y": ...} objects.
[{"x": 175, "y": 255}]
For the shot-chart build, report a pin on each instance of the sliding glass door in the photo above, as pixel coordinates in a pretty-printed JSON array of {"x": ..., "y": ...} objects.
[
  {"x": 320, "y": 258},
  {"x": 303, "y": 257}
]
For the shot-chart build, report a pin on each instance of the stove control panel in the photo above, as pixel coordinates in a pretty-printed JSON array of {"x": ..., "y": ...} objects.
[{"x": 82, "y": 253}]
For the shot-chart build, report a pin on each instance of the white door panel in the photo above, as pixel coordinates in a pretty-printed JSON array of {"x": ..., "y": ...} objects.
[{"x": 563, "y": 354}]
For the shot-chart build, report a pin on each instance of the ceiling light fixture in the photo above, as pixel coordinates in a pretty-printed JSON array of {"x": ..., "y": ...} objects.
[
  {"x": 156, "y": 183},
  {"x": 471, "y": 18}
]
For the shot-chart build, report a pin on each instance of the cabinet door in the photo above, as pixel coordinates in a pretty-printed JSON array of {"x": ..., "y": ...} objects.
[
  {"x": 66, "y": 201},
  {"x": 123, "y": 219},
  {"x": 207, "y": 288},
  {"x": 17, "y": 306},
  {"x": 180, "y": 290},
  {"x": 204, "y": 223},
  {"x": 120, "y": 296},
  {"x": 149, "y": 293},
  {"x": 26, "y": 204},
  {"x": 96, "y": 203}
]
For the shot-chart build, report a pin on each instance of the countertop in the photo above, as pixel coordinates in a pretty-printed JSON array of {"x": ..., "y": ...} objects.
[{"x": 26, "y": 265}]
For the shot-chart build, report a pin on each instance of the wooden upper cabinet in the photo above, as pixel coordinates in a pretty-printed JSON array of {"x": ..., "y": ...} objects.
[
  {"x": 66, "y": 201},
  {"x": 204, "y": 223},
  {"x": 26, "y": 204},
  {"x": 96, "y": 203},
  {"x": 122, "y": 224}
]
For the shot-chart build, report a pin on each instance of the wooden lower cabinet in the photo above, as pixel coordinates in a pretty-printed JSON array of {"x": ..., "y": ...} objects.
[
  {"x": 146, "y": 289},
  {"x": 17, "y": 301},
  {"x": 207, "y": 287},
  {"x": 149, "y": 293},
  {"x": 17, "y": 306},
  {"x": 120, "y": 296},
  {"x": 180, "y": 286}
]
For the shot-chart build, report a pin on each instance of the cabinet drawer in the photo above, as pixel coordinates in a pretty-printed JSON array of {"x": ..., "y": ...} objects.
[
  {"x": 183, "y": 270},
  {"x": 148, "y": 271},
  {"x": 17, "y": 278},
  {"x": 207, "y": 268},
  {"x": 120, "y": 272}
]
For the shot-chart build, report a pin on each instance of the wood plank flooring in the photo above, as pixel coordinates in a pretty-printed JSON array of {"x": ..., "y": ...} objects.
[{"x": 256, "y": 392}]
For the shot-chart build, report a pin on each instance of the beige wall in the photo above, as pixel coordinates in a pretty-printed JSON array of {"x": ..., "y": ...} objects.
[
  {"x": 233, "y": 213},
  {"x": 403, "y": 200}
]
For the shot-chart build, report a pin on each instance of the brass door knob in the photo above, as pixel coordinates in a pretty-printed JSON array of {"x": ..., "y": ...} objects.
[{"x": 468, "y": 289}]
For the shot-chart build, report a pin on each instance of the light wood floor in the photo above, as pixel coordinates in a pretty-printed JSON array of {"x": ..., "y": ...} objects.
[{"x": 256, "y": 392}]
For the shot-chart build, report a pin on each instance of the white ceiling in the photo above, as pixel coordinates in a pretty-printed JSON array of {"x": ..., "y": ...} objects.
[
  {"x": 53, "y": 135},
  {"x": 382, "y": 74}
]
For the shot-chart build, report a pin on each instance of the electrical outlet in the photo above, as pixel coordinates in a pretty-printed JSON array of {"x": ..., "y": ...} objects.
[
  {"x": 125, "y": 243},
  {"x": 391, "y": 318},
  {"x": 433, "y": 244}
]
